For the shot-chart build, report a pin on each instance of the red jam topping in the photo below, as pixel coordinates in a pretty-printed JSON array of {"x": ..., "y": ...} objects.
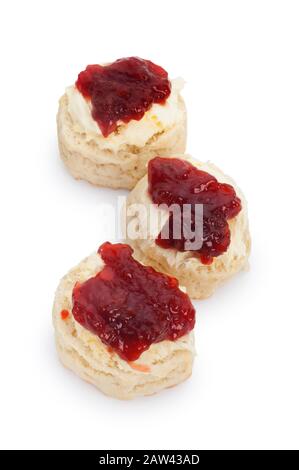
[
  {"x": 175, "y": 181},
  {"x": 123, "y": 90},
  {"x": 64, "y": 314},
  {"x": 131, "y": 306}
]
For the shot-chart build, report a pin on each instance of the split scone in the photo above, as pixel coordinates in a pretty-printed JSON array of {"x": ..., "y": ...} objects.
[
  {"x": 115, "y": 332},
  {"x": 189, "y": 220},
  {"x": 116, "y": 118}
]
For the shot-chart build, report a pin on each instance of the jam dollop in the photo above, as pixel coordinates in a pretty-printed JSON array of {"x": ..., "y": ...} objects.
[
  {"x": 123, "y": 90},
  {"x": 176, "y": 181},
  {"x": 64, "y": 314},
  {"x": 130, "y": 306}
]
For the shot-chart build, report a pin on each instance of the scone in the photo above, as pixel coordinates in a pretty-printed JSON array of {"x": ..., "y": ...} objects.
[
  {"x": 116, "y": 118},
  {"x": 189, "y": 220},
  {"x": 115, "y": 332}
]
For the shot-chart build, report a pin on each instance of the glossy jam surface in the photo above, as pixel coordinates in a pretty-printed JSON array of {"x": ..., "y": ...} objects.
[
  {"x": 123, "y": 90},
  {"x": 175, "y": 181},
  {"x": 130, "y": 306}
]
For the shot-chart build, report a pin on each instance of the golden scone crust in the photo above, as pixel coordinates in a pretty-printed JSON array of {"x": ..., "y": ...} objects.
[
  {"x": 86, "y": 157},
  {"x": 199, "y": 280},
  {"x": 166, "y": 363}
]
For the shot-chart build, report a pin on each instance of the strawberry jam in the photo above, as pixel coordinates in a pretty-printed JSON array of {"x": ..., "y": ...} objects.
[
  {"x": 175, "y": 181},
  {"x": 64, "y": 314},
  {"x": 123, "y": 90},
  {"x": 130, "y": 306}
]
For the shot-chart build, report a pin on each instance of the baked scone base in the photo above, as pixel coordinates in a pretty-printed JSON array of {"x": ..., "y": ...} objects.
[
  {"x": 169, "y": 362},
  {"x": 86, "y": 159},
  {"x": 200, "y": 280}
]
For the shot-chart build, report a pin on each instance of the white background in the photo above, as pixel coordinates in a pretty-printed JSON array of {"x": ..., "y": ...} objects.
[{"x": 240, "y": 62}]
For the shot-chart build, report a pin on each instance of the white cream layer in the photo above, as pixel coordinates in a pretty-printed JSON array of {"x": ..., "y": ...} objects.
[{"x": 157, "y": 119}]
